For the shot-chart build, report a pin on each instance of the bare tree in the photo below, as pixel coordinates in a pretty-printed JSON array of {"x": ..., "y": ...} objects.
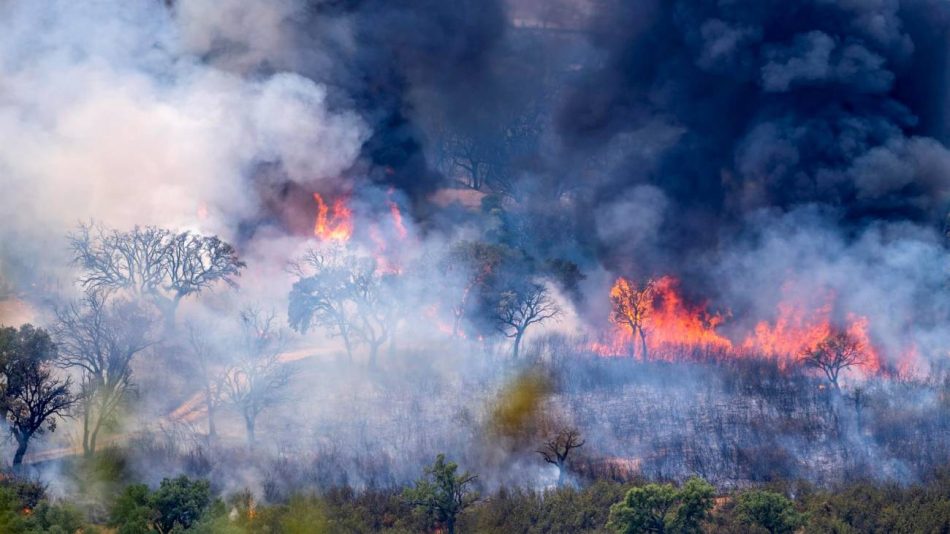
[
  {"x": 257, "y": 379},
  {"x": 210, "y": 370},
  {"x": 556, "y": 450},
  {"x": 522, "y": 307},
  {"x": 838, "y": 351},
  {"x": 32, "y": 398},
  {"x": 101, "y": 338},
  {"x": 631, "y": 304},
  {"x": 153, "y": 263}
]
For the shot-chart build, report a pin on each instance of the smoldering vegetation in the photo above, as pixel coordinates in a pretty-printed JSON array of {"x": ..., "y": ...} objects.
[
  {"x": 736, "y": 423},
  {"x": 303, "y": 246}
]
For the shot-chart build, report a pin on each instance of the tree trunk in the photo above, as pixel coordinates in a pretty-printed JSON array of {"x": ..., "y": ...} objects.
[
  {"x": 373, "y": 354},
  {"x": 209, "y": 400},
  {"x": 643, "y": 343},
  {"x": 560, "y": 475},
  {"x": 168, "y": 308},
  {"x": 23, "y": 441},
  {"x": 85, "y": 431},
  {"x": 349, "y": 347},
  {"x": 517, "y": 348},
  {"x": 249, "y": 422},
  {"x": 450, "y": 525},
  {"x": 94, "y": 435}
]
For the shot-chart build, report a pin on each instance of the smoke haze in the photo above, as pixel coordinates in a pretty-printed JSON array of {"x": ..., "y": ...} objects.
[{"x": 770, "y": 156}]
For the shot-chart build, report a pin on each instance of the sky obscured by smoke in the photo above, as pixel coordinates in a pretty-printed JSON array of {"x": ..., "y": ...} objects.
[{"x": 744, "y": 146}]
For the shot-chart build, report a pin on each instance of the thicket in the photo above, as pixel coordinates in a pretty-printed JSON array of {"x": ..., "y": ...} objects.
[{"x": 190, "y": 505}]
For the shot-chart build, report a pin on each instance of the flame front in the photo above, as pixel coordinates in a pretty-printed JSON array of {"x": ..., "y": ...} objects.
[
  {"x": 674, "y": 328},
  {"x": 675, "y": 322},
  {"x": 665, "y": 318},
  {"x": 337, "y": 226},
  {"x": 798, "y": 329}
]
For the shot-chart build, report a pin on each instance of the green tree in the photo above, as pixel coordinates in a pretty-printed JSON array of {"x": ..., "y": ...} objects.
[
  {"x": 130, "y": 512},
  {"x": 346, "y": 294},
  {"x": 772, "y": 511},
  {"x": 32, "y": 398},
  {"x": 177, "y": 505},
  {"x": 695, "y": 501},
  {"x": 442, "y": 493},
  {"x": 24, "y": 509},
  {"x": 663, "y": 508}
]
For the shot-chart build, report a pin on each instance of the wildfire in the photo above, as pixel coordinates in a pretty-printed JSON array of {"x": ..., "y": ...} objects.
[
  {"x": 653, "y": 317},
  {"x": 794, "y": 330},
  {"x": 675, "y": 322},
  {"x": 655, "y": 313},
  {"x": 397, "y": 219},
  {"x": 798, "y": 329},
  {"x": 387, "y": 257},
  {"x": 337, "y": 226}
]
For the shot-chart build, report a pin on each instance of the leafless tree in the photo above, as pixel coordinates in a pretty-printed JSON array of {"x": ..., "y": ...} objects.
[
  {"x": 101, "y": 338},
  {"x": 32, "y": 397},
  {"x": 556, "y": 450},
  {"x": 838, "y": 351},
  {"x": 153, "y": 263},
  {"x": 258, "y": 378},
  {"x": 209, "y": 367},
  {"x": 522, "y": 307},
  {"x": 632, "y": 303}
]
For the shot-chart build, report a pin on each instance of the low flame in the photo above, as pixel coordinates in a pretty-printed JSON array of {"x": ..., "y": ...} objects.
[
  {"x": 670, "y": 322},
  {"x": 337, "y": 226}
]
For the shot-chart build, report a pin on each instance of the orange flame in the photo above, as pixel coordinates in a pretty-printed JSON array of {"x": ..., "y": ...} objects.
[
  {"x": 673, "y": 321},
  {"x": 339, "y": 226},
  {"x": 397, "y": 220},
  {"x": 794, "y": 330},
  {"x": 670, "y": 322},
  {"x": 667, "y": 320},
  {"x": 797, "y": 330}
]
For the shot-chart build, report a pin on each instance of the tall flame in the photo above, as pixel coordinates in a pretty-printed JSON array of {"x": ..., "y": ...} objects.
[
  {"x": 337, "y": 226},
  {"x": 798, "y": 329},
  {"x": 397, "y": 219},
  {"x": 673, "y": 321}
]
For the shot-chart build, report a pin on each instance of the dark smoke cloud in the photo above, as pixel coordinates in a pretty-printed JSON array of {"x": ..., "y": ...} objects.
[
  {"x": 781, "y": 105},
  {"x": 380, "y": 58}
]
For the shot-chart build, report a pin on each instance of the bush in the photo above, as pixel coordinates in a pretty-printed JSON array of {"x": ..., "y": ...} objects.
[
  {"x": 663, "y": 508},
  {"x": 177, "y": 505},
  {"x": 770, "y": 511}
]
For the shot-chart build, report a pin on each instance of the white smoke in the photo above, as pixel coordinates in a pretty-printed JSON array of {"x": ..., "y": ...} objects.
[{"x": 106, "y": 114}]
